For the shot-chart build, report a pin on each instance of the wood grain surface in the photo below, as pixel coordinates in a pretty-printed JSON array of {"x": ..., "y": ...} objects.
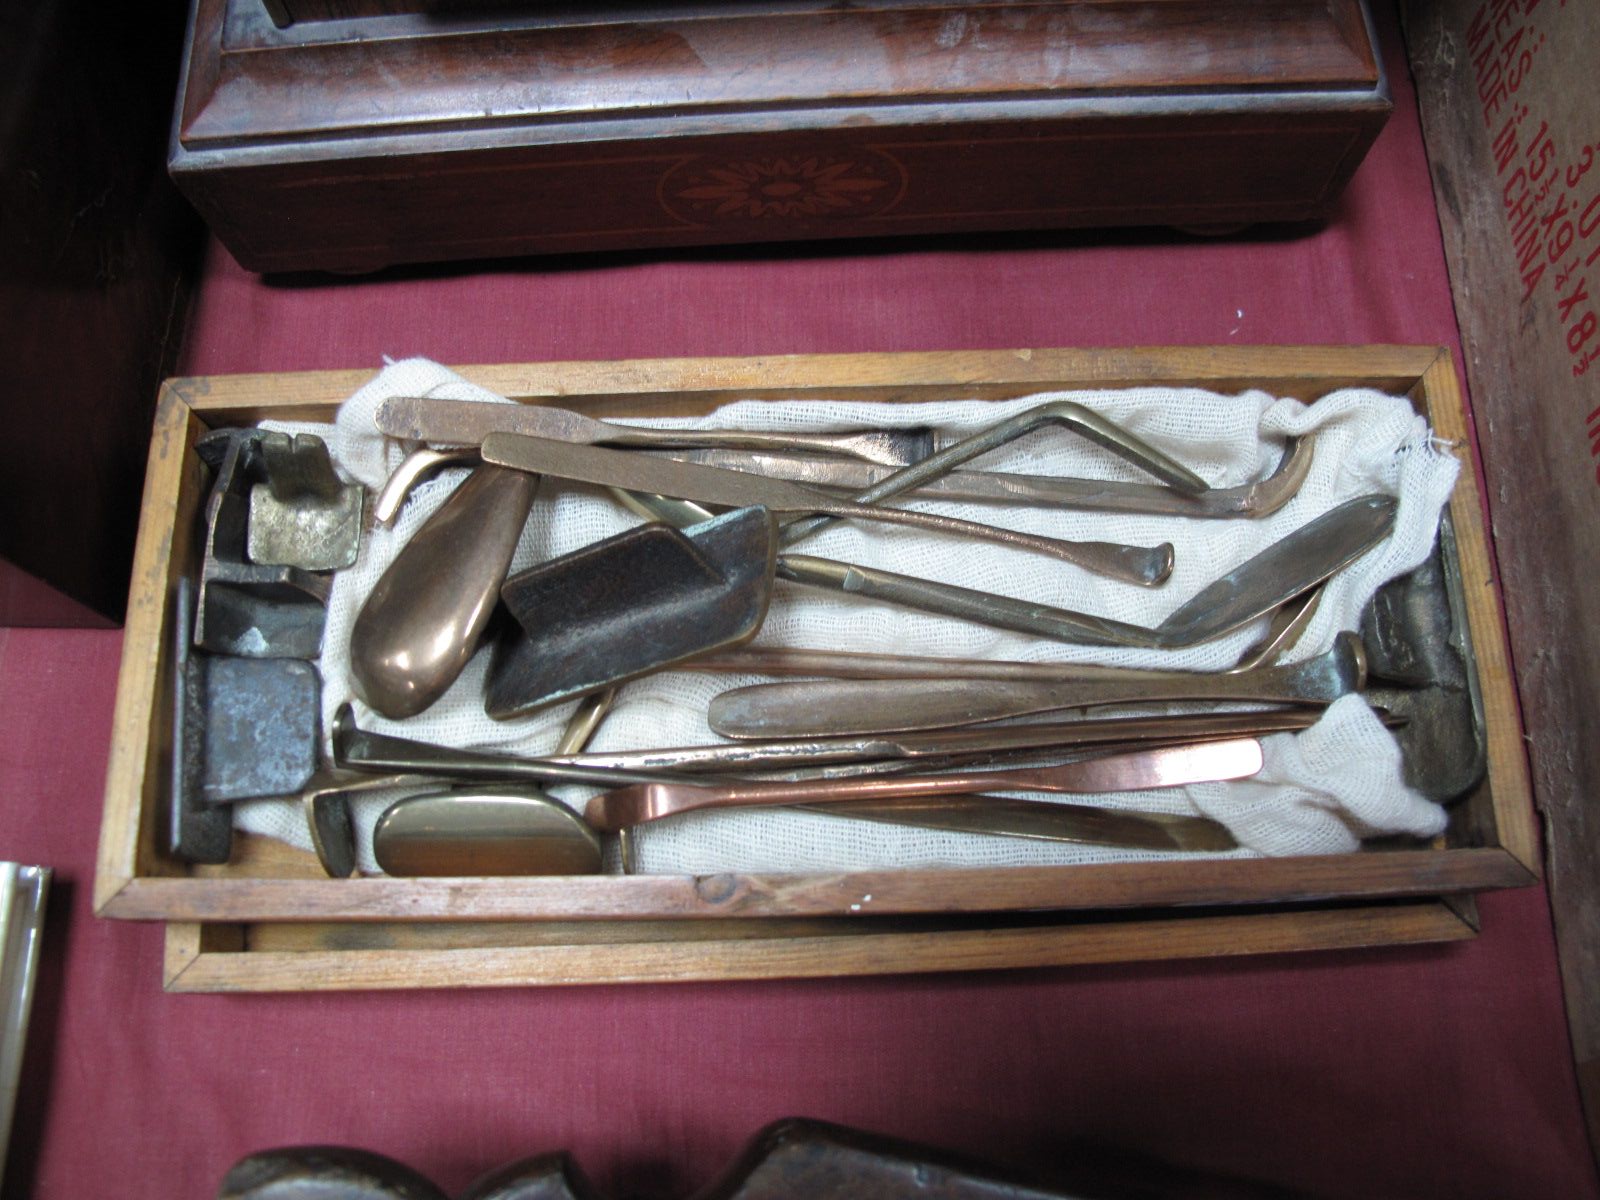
[
  {"x": 399, "y": 137},
  {"x": 1490, "y": 843},
  {"x": 1512, "y": 121}
]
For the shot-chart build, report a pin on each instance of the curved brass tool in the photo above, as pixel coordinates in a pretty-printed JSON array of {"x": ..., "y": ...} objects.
[
  {"x": 423, "y": 618},
  {"x": 416, "y": 467},
  {"x": 1167, "y": 766}
]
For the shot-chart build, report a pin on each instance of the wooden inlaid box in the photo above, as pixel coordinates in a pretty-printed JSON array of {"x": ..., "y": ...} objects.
[
  {"x": 422, "y": 130},
  {"x": 269, "y": 920}
]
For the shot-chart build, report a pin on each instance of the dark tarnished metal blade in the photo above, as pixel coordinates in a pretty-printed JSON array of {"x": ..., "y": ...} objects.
[
  {"x": 1286, "y": 568},
  {"x": 629, "y": 605}
]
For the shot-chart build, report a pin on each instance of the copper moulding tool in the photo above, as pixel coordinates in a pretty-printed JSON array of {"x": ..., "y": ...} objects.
[
  {"x": 1167, "y": 766},
  {"x": 710, "y": 485},
  {"x": 1257, "y": 499},
  {"x": 630, "y": 604},
  {"x": 469, "y": 422},
  {"x": 423, "y": 618},
  {"x": 829, "y": 708}
]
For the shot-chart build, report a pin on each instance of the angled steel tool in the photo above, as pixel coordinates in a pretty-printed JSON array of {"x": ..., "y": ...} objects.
[{"x": 304, "y": 515}]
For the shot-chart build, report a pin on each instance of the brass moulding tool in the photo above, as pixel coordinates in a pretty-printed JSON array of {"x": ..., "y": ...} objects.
[
  {"x": 1167, "y": 766},
  {"x": 628, "y": 605},
  {"x": 326, "y": 805},
  {"x": 246, "y": 608},
  {"x": 484, "y": 831},
  {"x": 1257, "y": 499},
  {"x": 710, "y": 485},
  {"x": 832, "y": 708},
  {"x": 304, "y": 515},
  {"x": 469, "y": 422},
  {"x": 423, "y": 618}
]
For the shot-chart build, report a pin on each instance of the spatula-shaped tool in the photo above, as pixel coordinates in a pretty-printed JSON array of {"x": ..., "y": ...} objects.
[
  {"x": 1166, "y": 766},
  {"x": 712, "y": 485},
  {"x": 631, "y": 604}
]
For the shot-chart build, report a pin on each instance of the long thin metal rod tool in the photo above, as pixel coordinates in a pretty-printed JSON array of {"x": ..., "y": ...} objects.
[
  {"x": 1257, "y": 499},
  {"x": 1065, "y": 413},
  {"x": 710, "y": 485},
  {"x": 469, "y": 422},
  {"x": 837, "y": 707},
  {"x": 1167, "y": 766}
]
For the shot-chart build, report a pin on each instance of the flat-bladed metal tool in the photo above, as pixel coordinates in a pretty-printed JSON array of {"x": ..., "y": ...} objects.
[
  {"x": 736, "y": 489},
  {"x": 1165, "y": 766},
  {"x": 468, "y": 422}
]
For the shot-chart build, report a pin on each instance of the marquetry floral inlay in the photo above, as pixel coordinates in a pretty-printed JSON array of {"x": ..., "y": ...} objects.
[{"x": 801, "y": 186}]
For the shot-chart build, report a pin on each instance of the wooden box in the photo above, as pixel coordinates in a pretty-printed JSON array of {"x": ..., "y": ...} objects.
[
  {"x": 407, "y": 132},
  {"x": 267, "y": 920}
]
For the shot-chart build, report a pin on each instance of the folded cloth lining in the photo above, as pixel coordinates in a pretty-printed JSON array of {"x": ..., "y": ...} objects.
[{"x": 1306, "y": 801}]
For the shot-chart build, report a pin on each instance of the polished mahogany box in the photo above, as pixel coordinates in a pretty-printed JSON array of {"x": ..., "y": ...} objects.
[{"x": 349, "y": 136}]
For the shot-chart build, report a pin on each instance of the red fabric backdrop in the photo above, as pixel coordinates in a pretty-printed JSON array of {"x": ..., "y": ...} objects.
[{"x": 1437, "y": 1071}]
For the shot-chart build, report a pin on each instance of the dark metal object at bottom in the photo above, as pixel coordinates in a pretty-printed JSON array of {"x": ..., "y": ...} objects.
[{"x": 788, "y": 1160}]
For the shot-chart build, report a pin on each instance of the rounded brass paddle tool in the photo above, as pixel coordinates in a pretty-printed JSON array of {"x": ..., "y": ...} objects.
[
  {"x": 488, "y": 830},
  {"x": 424, "y": 616}
]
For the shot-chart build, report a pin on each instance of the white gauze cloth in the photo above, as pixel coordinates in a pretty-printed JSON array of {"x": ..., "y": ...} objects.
[{"x": 1322, "y": 790}]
